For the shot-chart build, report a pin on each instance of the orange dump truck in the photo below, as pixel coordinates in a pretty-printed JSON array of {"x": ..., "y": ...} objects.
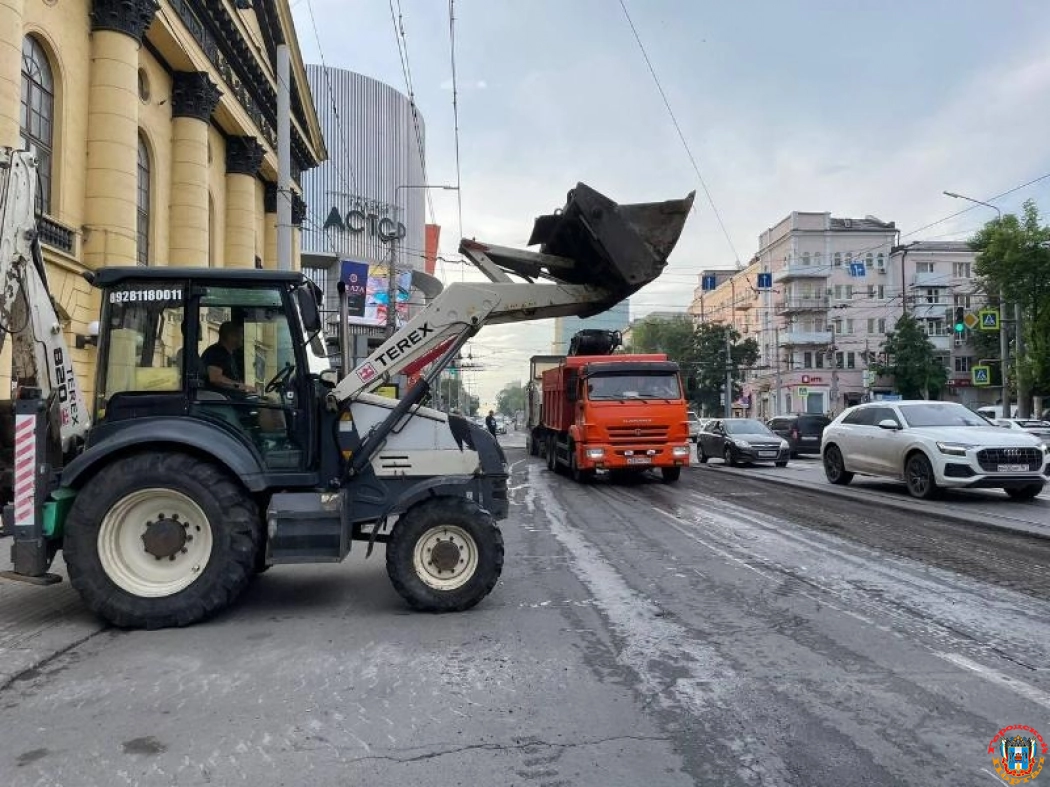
[{"x": 621, "y": 413}]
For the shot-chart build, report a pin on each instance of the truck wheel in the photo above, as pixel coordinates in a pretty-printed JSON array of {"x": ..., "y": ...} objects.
[
  {"x": 552, "y": 459},
  {"x": 578, "y": 475},
  {"x": 161, "y": 539},
  {"x": 670, "y": 474},
  {"x": 445, "y": 555}
]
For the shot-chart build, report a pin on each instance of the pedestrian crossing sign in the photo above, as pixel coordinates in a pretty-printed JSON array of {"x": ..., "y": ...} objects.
[
  {"x": 989, "y": 319},
  {"x": 980, "y": 375}
]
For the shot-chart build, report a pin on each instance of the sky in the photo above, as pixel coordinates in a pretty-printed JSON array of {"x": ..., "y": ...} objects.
[{"x": 857, "y": 108}]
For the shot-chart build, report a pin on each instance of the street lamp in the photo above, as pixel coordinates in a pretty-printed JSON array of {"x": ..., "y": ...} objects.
[
  {"x": 391, "y": 304},
  {"x": 1002, "y": 307}
]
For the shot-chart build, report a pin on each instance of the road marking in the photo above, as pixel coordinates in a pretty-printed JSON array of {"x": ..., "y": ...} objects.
[{"x": 1026, "y": 690}]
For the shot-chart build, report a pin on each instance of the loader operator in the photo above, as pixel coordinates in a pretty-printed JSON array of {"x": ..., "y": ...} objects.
[{"x": 220, "y": 362}]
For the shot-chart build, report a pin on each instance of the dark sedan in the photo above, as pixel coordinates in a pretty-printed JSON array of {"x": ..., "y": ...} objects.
[{"x": 738, "y": 440}]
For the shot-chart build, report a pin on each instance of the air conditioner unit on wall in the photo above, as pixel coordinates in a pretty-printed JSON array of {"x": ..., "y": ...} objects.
[{"x": 882, "y": 270}]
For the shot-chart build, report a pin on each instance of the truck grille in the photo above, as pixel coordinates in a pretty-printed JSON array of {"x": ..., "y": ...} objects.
[
  {"x": 990, "y": 458},
  {"x": 628, "y": 435}
]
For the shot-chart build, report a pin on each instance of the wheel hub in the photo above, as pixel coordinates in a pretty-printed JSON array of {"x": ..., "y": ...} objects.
[
  {"x": 445, "y": 555},
  {"x": 165, "y": 538}
]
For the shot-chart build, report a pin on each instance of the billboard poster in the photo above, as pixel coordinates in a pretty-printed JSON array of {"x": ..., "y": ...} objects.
[
  {"x": 377, "y": 297},
  {"x": 355, "y": 276}
]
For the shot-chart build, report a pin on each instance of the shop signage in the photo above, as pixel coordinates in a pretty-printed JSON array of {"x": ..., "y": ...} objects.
[{"x": 367, "y": 216}]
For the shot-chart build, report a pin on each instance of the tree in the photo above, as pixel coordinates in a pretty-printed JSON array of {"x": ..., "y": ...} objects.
[
  {"x": 1013, "y": 260},
  {"x": 706, "y": 365},
  {"x": 674, "y": 336},
  {"x": 511, "y": 399},
  {"x": 911, "y": 359}
]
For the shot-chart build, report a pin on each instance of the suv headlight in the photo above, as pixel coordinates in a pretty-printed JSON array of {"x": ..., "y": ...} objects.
[
  {"x": 742, "y": 443},
  {"x": 953, "y": 449}
]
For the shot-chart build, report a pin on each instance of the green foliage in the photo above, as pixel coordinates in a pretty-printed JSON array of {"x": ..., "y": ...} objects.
[
  {"x": 912, "y": 361},
  {"x": 700, "y": 351},
  {"x": 511, "y": 399},
  {"x": 1013, "y": 260}
]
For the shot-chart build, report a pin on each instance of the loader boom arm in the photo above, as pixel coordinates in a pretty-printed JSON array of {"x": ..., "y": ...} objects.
[
  {"x": 594, "y": 254},
  {"x": 27, "y": 310}
]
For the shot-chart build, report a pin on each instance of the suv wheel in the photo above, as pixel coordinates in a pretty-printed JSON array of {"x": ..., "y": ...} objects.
[
  {"x": 918, "y": 474},
  {"x": 835, "y": 467}
]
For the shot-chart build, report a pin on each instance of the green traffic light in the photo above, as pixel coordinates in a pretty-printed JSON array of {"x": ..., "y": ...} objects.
[{"x": 959, "y": 327}]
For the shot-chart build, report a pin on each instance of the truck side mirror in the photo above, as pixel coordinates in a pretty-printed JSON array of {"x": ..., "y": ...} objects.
[{"x": 308, "y": 309}]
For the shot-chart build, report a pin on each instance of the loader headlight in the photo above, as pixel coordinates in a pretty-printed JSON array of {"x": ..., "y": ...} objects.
[
  {"x": 595, "y": 453},
  {"x": 680, "y": 450}
]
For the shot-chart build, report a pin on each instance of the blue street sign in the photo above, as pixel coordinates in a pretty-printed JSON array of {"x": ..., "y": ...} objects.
[
  {"x": 981, "y": 375},
  {"x": 989, "y": 319},
  {"x": 765, "y": 281},
  {"x": 857, "y": 269},
  {"x": 709, "y": 283}
]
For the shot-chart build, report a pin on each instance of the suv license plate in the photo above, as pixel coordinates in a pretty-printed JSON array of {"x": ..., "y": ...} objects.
[
  {"x": 767, "y": 453},
  {"x": 639, "y": 460},
  {"x": 1013, "y": 468}
]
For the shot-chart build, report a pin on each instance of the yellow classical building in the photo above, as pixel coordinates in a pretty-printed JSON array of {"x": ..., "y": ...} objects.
[{"x": 155, "y": 127}]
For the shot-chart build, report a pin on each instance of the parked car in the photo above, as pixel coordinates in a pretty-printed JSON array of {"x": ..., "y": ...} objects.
[
  {"x": 694, "y": 425},
  {"x": 802, "y": 431},
  {"x": 1038, "y": 427},
  {"x": 742, "y": 440},
  {"x": 930, "y": 446}
]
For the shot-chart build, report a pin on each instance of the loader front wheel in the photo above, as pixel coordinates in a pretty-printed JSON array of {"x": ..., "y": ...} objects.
[
  {"x": 161, "y": 539},
  {"x": 445, "y": 555}
]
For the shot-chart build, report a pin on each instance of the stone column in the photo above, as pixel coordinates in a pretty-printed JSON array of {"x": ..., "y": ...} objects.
[
  {"x": 243, "y": 158},
  {"x": 270, "y": 227},
  {"x": 193, "y": 99},
  {"x": 10, "y": 70}
]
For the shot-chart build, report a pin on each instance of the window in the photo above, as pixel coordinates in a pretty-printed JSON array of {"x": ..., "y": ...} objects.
[
  {"x": 882, "y": 325},
  {"x": 849, "y": 292},
  {"x": 818, "y": 360},
  {"x": 838, "y": 360},
  {"x": 805, "y": 258},
  {"x": 837, "y": 323},
  {"x": 924, "y": 267},
  {"x": 838, "y": 259},
  {"x": 880, "y": 292},
  {"x": 807, "y": 360},
  {"x": 849, "y": 327},
  {"x": 935, "y": 327},
  {"x": 869, "y": 261},
  {"x": 880, "y": 262},
  {"x": 36, "y": 123},
  {"x": 861, "y": 417},
  {"x": 851, "y": 360},
  {"x": 933, "y": 295},
  {"x": 817, "y": 259},
  {"x": 838, "y": 292},
  {"x": 963, "y": 363},
  {"x": 142, "y": 204},
  {"x": 962, "y": 270},
  {"x": 871, "y": 325},
  {"x": 962, "y": 301}
]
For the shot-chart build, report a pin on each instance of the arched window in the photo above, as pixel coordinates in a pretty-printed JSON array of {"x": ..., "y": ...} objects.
[
  {"x": 38, "y": 112},
  {"x": 142, "y": 203}
]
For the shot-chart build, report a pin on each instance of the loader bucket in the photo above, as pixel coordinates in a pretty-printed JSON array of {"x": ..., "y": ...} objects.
[{"x": 618, "y": 247}]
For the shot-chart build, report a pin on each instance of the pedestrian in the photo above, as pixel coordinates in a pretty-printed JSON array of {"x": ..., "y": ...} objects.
[{"x": 490, "y": 422}]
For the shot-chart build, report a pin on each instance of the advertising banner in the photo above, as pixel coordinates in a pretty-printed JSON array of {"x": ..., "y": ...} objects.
[
  {"x": 355, "y": 276},
  {"x": 377, "y": 296}
]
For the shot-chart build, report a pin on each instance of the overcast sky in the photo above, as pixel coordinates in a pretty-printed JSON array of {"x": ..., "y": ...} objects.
[{"x": 845, "y": 106}]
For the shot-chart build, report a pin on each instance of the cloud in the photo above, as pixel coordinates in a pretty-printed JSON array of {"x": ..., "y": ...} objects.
[{"x": 477, "y": 84}]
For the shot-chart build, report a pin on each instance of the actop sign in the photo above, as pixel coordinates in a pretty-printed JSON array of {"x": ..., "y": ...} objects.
[{"x": 357, "y": 221}]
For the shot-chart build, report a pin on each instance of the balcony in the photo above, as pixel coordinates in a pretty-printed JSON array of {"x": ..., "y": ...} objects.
[
  {"x": 931, "y": 311},
  {"x": 802, "y": 272},
  {"x": 57, "y": 236},
  {"x": 789, "y": 305},
  {"x": 791, "y": 338},
  {"x": 942, "y": 343}
]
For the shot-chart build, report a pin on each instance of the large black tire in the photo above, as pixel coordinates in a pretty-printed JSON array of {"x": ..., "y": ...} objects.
[
  {"x": 701, "y": 457},
  {"x": 116, "y": 580},
  {"x": 670, "y": 475},
  {"x": 1024, "y": 492},
  {"x": 552, "y": 459},
  {"x": 476, "y": 552},
  {"x": 727, "y": 456},
  {"x": 579, "y": 475},
  {"x": 918, "y": 475},
  {"x": 835, "y": 467}
]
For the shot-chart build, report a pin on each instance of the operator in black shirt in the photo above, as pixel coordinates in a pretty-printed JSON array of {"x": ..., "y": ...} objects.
[{"x": 220, "y": 361}]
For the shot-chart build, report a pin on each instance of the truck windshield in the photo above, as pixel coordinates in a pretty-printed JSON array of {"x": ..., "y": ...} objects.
[{"x": 634, "y": 386}]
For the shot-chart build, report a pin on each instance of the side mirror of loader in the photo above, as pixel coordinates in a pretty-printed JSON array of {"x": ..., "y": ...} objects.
[{"x": 308, "y": 309}]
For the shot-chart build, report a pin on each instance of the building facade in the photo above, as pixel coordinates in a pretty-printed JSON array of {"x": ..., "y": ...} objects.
[
  {"x": 615, "y": 319},
  {"x": 154, "y": 125},
  {"x": 365, "y": 202}
]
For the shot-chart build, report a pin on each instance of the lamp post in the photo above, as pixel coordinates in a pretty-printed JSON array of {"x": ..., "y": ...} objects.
[
  {"x": 391, "y": 304},
  {"x": 1003, "y": 344}
]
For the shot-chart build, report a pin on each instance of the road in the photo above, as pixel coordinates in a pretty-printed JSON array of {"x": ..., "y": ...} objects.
[{"x": 725, "y": 630}]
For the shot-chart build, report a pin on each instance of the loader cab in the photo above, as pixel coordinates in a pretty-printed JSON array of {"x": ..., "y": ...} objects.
[{"x": 229, "y": 349}]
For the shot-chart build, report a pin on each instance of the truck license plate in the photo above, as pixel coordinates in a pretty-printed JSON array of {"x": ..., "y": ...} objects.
[
  {"x": 1013, "y": 468},
  {"x": 639, "y": 460}
]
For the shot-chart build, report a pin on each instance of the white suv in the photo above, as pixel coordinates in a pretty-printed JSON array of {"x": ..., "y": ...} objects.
[{"x": 930, "y": 445}]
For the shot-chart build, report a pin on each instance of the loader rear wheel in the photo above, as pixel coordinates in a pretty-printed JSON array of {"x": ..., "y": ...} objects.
[
  {"x": 161, "y": 539},
  {"x": 445, "y": 555}
]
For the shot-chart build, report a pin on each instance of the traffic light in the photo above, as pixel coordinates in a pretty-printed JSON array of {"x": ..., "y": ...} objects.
[{"x": 960, "y": 319}]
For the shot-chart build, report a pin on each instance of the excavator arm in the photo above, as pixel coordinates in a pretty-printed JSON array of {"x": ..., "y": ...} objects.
[
  {"x": 27, "y": 311},
  {"x": 594, "y": 253}
]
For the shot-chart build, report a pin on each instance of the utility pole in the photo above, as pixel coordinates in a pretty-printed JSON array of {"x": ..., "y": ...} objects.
[
  {"x": 834, "y": 374},
  {"x": 1004, "y": 360},
  {"x": 729, "y": 375},
  {"x": 1024, "y": 398},
  {"x": 391, "y": 292},
  {"x": 776, "y": 367}
]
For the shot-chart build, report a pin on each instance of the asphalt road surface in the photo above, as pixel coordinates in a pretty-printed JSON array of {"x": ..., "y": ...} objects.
[{"x": 725, "y": 630}]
